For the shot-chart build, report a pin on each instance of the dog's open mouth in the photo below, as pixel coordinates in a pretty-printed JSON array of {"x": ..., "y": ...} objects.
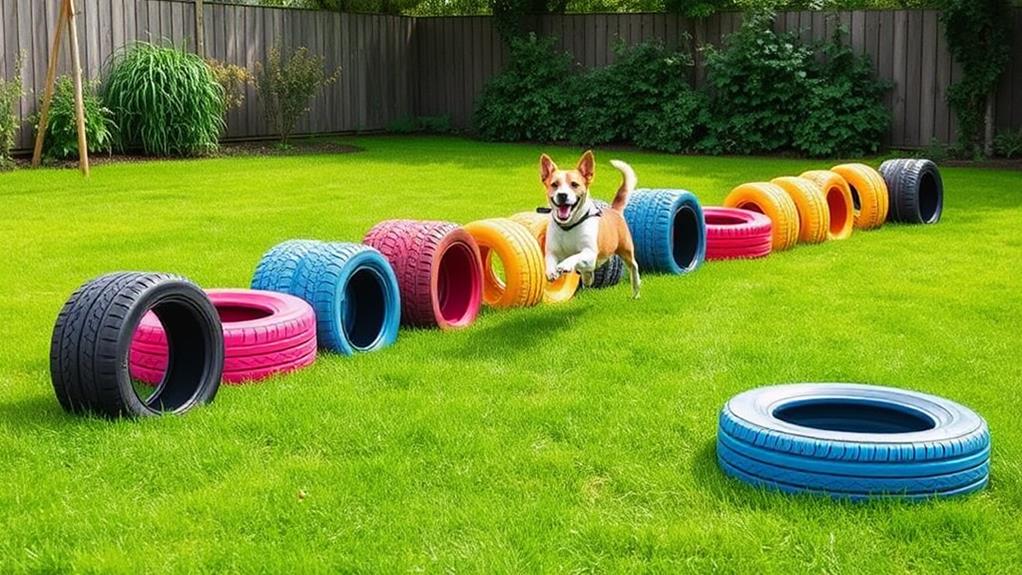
[{"x": 563, "y": 212}]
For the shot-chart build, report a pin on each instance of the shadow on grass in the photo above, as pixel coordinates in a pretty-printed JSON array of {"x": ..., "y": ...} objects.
[
  {"x": 40, "y": 411},
  {"x": 521, "y": 332}
]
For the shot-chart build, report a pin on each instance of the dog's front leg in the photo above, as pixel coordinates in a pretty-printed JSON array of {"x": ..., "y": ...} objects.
[
  {"x": 586, "y": 266},
  {"x": 552, "y": 271},
  {"x": 569, "y": 265}
]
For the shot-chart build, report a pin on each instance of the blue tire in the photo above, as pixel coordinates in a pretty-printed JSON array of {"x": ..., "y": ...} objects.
[
  {"x": 668, "y": 230},
  {"x": 351, "y": 287},
  {"x": 853, "y": 441}
]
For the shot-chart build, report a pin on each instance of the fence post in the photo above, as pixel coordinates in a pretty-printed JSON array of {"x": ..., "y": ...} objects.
[{"x": 200, "y": 30}]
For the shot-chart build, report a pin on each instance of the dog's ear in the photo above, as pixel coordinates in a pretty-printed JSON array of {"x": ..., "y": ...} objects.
[
  {"x": 547, "y": 167},
  {"x": 587, "y": 166}
]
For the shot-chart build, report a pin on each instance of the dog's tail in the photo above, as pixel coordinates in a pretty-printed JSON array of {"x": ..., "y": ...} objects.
[{"x": 628, "y": 184}]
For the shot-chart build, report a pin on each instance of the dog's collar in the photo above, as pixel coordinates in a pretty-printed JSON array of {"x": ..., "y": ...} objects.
[{"x": 591, "y": 214}]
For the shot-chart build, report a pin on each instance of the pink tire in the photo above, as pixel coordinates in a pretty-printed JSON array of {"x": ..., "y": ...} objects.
[
  {"x": 265, "y": 333},
  {"x": 439, "y": 271},
  {"x": 736, "y": 234}
]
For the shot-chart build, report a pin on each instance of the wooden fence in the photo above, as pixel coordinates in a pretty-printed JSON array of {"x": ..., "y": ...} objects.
[{"x": 394, "y": 66}]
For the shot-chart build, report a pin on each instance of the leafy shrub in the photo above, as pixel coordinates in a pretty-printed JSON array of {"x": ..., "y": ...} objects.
[
  {"x": 1008, "y": 144},
  {"x": 844, "y": 113},
  {"x": 233, "y": 79},
  {"x": 11, "y": 92},
  {"x": 165, "y": 101},
  {"x": 770, "y": 92},
  {"x": 643, "y": 97},
  {"x": 287, "y": 84},
  {"x": 532, "y": 98},
  {"x": 62, "y": 124},
  {"x": 757, "y": 84}
]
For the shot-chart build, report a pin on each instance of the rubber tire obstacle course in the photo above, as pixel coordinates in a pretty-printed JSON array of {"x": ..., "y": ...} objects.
[
  {"x": 92, "y": 338},
  {"x": 852, "y": 441},
  {"x": 563, "y": 288},
  {"x": 438, "y": 270},
  {"x": 668, "y": 230},
  {"x": 772, "y": 201},
  {"x": 518, "y": 251},
  {"x": 813, "y": 215},
  {"x": 737, "y": 234},
  {"x": 265, "y": 333},
  {"x": 915, "y": 191},
  {"x": 869, "y": 194},
  {"x": 839, "y": 202},
  {"x": 351, "y": 287}
]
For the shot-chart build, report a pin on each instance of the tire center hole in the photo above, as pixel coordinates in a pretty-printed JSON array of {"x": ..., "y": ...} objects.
[
  {"x": 685, "y": 237},
  {"x": 494, "y": 276},
  {"x": 929, "y": 200},
  {"x": 365, "y": 308},
  {"x": 454, "y": 283},
  {"x": 723, "y": 220},
  {"x": 838, "y": 209},
  {"x": 854, "y": 415}
]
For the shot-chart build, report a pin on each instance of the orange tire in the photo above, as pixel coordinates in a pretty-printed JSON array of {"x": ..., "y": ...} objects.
[
  {"x": 563, "y": 288},
  {"x": 772, "y": 201},
  {"x": 520, "y": 256},
  {"x": 839, "y": 202},
  {"x": 869, "y": 194},
  {"x": 813, "y": 215}
]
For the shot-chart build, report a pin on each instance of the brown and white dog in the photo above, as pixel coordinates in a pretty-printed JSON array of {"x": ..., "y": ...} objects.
[{"x": 580, "y": 236}]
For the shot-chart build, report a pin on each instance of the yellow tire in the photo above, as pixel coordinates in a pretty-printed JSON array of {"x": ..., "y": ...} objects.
[
  {"x": 772, "y": 201},
  {"x": 522, "y": 261},
  {"x": 813, "y": 215},
  {"x": 839, "y": 202},
  {"x": 563, "y": 288},
  {"x": 869, "y": 194}
]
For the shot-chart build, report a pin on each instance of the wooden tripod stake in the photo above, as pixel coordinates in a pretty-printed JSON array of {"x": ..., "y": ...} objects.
[{"x": 66, "y": 18}]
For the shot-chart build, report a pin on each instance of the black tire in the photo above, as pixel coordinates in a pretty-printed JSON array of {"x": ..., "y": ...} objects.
[
  {"x": 915, "y": 190},
  {"x": 610, "y": 273},
  {"x": 92, "y": 338}
]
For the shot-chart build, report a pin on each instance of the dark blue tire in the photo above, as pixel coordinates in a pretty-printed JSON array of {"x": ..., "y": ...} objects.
[
  {"x": 351, "y": 287},
  {"x": 610, "y": 273},
  {"x": 915, "y": 191},
  {"x": 668, "y": 230},
  {"x": 853, "y": 442}
]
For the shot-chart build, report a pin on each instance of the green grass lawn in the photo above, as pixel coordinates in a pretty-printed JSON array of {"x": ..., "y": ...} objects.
[{"x": 572, "y": 438}]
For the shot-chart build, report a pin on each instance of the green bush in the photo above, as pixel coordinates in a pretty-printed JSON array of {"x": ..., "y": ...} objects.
[
  {"x": 770, "y": 92},
  {"x": 757, "y": 83},
  {"x": 165, "y": 101},
  {"x": 287, "y": 84},
  {"x": 844, "y": 113},
  {"x": 62, "y": 125},
  {"x": 1008, "y": 144},
  {"x": 10, "y": 96},
  {"x": 532, "y": 98},
  {"x": 643, "y": 97}
]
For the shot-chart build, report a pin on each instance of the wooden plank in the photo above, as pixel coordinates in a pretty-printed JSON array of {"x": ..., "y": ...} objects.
[
  {"x": 885, "y": 70},
  {"x": 942, "y": 120},
  {"x": 871, "y": 23},
  {"x": 23, "y": 47},
  {"x": 1016, "y": 75},
  {"x": 360, "y": 63},
  {"x": 928, "y": 78},
  {"x": 900, "y": 76},
  {"x": 913, "y": 78},
  {"x": 253, "y": 47}
]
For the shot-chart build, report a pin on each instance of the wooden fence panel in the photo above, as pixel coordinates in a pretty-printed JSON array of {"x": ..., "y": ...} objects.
[{"x": 393, "y": 67}]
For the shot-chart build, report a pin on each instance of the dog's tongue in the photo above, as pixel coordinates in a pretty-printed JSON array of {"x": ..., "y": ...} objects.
[{"x": 563, "y": 212}]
